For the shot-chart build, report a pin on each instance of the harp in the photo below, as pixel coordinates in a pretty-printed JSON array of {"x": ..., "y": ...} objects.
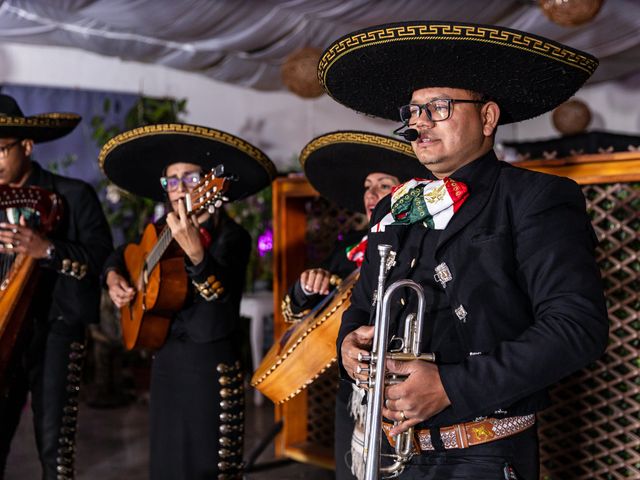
[
  {"x": 40, "y": 210},
  {"x": 307, "y": 349}
]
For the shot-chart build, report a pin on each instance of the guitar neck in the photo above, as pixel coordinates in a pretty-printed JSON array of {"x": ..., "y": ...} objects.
[{"x": 164, "y": 239}]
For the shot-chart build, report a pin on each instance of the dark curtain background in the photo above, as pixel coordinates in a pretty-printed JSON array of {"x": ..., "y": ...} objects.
[{"x": 79, "y": 144}]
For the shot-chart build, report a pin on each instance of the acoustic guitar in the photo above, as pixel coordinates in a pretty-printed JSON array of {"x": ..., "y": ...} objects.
[
  {"x": 41, "y": 210},
  {"x": 306, "y": 349},
  {"x": 157, "y": 272}
]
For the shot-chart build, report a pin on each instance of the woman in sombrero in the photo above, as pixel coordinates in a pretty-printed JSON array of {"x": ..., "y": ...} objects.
[
  {"x": 354, "y": 170},
  {"x": 196, "y": 423}
]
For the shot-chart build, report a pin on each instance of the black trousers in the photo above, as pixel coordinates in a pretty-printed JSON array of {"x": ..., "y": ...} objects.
[
  {"x": 197, "y": 407},
  {"x": 480, "y": 462},
  {"x": 50, "y": 368}
]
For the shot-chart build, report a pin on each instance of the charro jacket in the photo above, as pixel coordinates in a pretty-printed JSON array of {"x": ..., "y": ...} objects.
[
  {"x": 524, "y": 291},
  {"x": 69, "y": 289}
]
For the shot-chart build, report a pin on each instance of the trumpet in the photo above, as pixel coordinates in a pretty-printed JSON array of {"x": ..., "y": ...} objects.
[{"x": 409, "y": 348}]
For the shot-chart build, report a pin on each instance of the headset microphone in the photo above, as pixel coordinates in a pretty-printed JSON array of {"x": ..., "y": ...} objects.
[{"x": 410, "y": 134}]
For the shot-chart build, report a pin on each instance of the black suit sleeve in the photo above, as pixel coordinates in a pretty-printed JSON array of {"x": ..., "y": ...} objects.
[
  {"x": 213, "y": 317},
  {"x": 115, "y": 261},
  {"x": 83, "y": 257},
  {"x": 554, "y": 253},
  {"x": 225, "y": 262}
]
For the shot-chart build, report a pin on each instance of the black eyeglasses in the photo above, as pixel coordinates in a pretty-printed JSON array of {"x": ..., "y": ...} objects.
[
  {"x": 5, "y": 149},
  {"x": 172, "y": 183},
  {"x": 437, "y": 110}
]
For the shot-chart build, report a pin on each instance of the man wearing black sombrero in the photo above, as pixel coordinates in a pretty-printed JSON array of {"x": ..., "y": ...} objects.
[
  {"x": 370, "y": 166},
  {"x": 196, "y": 424},
  {"x": 48, "y": 361},
  {"x": 505, "y": 256}
]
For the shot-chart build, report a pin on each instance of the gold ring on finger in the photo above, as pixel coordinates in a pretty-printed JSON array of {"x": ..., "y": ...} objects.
[{"x": 402, "y": 416}]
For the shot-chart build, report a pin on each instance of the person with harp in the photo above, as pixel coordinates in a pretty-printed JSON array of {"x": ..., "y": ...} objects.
[{"x": 47, "y": 360}]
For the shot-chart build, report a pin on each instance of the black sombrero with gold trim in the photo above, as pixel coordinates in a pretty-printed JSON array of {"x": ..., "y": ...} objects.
[
  {"x": 39, "y": 128},
  {"x": 338, "y": 163},
  {"x": 375, "y": 70},
  {"x": 135, "y": 160}
]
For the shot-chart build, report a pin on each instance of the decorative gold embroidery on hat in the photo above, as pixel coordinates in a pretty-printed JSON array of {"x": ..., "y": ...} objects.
[
  {"x": 188, "y": 130},
  {"x": 359, "y": 138},
  {"x": 473, "y": 33}
]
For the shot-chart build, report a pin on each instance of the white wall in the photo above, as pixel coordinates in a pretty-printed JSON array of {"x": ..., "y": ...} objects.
[{"x": 278, "y": 122}]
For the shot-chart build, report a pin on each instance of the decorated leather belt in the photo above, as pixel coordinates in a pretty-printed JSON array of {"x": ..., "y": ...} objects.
[{"x": 464, "y": 435}]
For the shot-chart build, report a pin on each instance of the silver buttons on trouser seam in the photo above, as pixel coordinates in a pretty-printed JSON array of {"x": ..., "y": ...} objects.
[
  {"x": 230, "y": 417},
  {"x": 67, "y": 433},
  {"x": 229, "y": 466},
  {"x": 224, "y": 380},
  {"x": 231, "y": 381},
  {"x": 226, "y": 429},
  {"x": 228, "y": 442},
  {"x": 231, "y": 392},
  {"x": 228, "y": 404}
]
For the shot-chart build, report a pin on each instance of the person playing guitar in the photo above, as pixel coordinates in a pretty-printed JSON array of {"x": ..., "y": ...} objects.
[
  {"x": 370, "y": 166},
  {"x": 196, "y": 422}
]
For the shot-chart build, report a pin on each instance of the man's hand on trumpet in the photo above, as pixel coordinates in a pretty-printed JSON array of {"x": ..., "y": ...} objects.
[
  {"x": 416, "y": 399},
  {"x": 358, "y": 341}
]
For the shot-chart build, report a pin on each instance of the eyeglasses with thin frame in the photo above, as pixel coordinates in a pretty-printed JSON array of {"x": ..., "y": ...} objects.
[
  {"x": 172, "y": 183},
  {"x": 5, "y": 149},
  {"x": 437, "y": 110}
]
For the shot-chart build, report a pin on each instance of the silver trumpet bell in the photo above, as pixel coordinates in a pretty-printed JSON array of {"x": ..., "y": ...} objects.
[{"x": 408, "y": 349}]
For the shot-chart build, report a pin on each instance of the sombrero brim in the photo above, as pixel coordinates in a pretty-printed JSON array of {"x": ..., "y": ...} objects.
[
  {"x": 376, "y": 70},
  {"x": 135, "y": 160},
  {"x": 338, "y": 163},
  {"x": 39, "y": 128}
]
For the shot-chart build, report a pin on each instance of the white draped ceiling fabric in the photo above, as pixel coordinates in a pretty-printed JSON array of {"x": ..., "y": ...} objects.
[{"x": 244, "y": 42}]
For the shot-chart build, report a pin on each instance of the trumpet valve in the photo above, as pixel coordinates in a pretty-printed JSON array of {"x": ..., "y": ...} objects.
[
  {"x": 364, "y": 357},
  {"x": 360, "y": 369},
  {"x": 363, "y": 383}
]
